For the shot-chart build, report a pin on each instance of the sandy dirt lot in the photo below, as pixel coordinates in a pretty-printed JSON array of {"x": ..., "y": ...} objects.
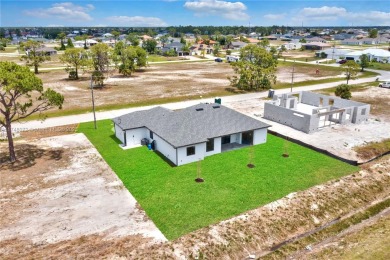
[
  {"x": 337, "y": 139},
  {"x": 164, "y": 81},
  {"x": 62, "y": 190}
]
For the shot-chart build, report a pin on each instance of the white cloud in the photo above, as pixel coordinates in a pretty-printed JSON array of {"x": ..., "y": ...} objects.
[
  {"x": 324, "y": 12},
  {"x": 274, "y": 16},
  {"x": 339, "y": 14},
  {"x": 136, "y": 21},
  {"x": 370, "y": 18},
  {"x": 228, "y": 10},
  {"x": 64, "y": 11}
]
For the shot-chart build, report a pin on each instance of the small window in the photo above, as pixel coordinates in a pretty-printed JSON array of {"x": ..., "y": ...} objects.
[
  {"x": 151, "y": 134},
  {"x": 363, "y": 111},
  {"x": 190, "y": 150},
  {"x": 331, "y": 102},
  {"x": 210, "y": 145}
]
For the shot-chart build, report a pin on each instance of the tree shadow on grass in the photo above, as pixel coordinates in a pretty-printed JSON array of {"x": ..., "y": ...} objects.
[
  {"x": 235, "y": 90},
  {"x": 26, "y": 156}
]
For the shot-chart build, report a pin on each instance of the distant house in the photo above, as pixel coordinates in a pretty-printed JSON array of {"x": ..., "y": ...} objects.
[
  {"x": 343, "y": 36},
  {"x": 190, "y": 134},
  {"x": 175, "y": 46},
  {"x": 334, "y": 53},
  {"x": 373, "y": 41},
  {"x": 315, "y": 46},
  {"x": 197, "y": 49},
  {"x": 237, "y": 45},
  {"x": 373, "y": 54},
  {"x": 292, "y": 45},
  {"x": 47, "y": 51},
  {"x": 80, "y": 44},
  {"x": 352, "y": 42},
  {"x": 315, "y": 39}
]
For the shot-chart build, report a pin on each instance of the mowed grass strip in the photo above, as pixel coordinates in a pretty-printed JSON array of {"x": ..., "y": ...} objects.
[{"x": 178, "y": 205}]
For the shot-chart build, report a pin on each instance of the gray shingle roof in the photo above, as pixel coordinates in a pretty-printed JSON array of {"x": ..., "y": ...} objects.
[{"x": 190, "y": 125}]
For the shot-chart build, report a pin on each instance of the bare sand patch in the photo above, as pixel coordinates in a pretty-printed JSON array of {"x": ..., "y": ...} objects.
[{"x": 75, "y": 194}]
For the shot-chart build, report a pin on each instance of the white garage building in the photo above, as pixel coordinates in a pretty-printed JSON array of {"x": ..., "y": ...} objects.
[{"x": 190, "y": 134}]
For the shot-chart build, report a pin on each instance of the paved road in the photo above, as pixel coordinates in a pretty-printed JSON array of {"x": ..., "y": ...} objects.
[{"x": 74, "y": 119}]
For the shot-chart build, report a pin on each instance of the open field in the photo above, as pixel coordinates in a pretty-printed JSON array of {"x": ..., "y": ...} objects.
[
  {"x": 230, "y": 187},
  {"x": 169, "y": 82}
]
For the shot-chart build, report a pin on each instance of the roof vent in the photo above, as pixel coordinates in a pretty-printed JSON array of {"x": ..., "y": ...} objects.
[
  {"x": 216, "y": 107},
  {"x": 199, "y": 109}
]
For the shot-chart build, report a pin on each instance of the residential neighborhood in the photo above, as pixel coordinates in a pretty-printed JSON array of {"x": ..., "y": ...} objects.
[{"x": 194, "y": 130}]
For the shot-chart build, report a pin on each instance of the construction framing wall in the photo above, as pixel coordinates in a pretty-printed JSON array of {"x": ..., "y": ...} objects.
[{"x": 308, "y": 112}]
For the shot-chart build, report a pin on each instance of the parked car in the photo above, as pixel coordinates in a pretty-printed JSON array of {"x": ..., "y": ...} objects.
[
  {"x": 218, "y": 60},
  {"x": 342, "y": 61},
  {"x": 384, "y": 84}
]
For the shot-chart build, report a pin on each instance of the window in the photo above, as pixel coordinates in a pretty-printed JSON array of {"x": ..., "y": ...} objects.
[
  {"x": 331, "y": 102},
  {"x": 190, "y": 150},
  {"x": 363, "y": 111},
  {"x": 210, "y": 145},
  {"x": 151, "y": 134}
]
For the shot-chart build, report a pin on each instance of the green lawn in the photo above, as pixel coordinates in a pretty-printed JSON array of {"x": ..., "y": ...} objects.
[{"x": 179, "y": 205}]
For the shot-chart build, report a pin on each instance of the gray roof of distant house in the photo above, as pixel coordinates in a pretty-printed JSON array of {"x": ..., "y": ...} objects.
[{"x": 191, "y": 125}]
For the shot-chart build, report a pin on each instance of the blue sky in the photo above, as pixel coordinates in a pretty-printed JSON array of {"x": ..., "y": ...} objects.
[{"x": 193, "y": 12}]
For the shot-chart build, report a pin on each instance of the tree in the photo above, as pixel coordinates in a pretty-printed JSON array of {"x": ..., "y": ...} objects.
[
  {"x": 133, "y": 39},
  {"x": 150, "y": 45},
  {"x": 128, "y": 59},
  {"x": 351, "y": 69},
  {"x": 4, "y": 41},
  {"x": 364, "y": 61},
  {"x": 62, "y": 37},
  {"x": 34, "y": 57},
  {"x": 18, "y": 86},
  {"x": 216, "y": 50},
  {"x": 303, "y": 40},
  {"x": 263, "y": 43},
  {"x": 100, "y": 57},
  {"x": 343, "y": 91},
  {"x": 281, "y": 50},
  {"x": 197, "y": 32},
  {"x": 70, "y": 43},
  {"x": 75, "y": 59},
  {"x": 256, "y": 69},
  {"x": 115, "y": 34},
  {"x": 373, "y": 33},
  {"x": 228, "y": 52}
]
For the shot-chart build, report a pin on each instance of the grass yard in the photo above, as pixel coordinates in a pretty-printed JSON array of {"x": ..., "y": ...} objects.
[{"x": 179, "y": 205}]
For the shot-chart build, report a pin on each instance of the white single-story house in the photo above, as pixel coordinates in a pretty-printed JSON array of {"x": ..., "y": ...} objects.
[
  {"x": 379, "y": 55},
  {"x": 190, "y": 134}
]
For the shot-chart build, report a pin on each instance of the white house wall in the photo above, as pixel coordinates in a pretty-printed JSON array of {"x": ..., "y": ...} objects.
[
  {"x": 164, "y": 148},
  {"x": 134, "y": 136},
  {"x": 119, "y": 133},
  {"x": 259, "y": 136},
  {"x": 217, "y": 147},
  {"x": 200, "y": 150}
]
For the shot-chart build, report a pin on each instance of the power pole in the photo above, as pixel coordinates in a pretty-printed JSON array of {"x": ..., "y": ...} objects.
[
  {"x": 93, "y": 104},
  {"x": 292, "y": 76}
]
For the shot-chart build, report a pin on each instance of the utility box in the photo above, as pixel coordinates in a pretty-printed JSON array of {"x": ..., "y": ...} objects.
[{"x": 271, "y": 93}]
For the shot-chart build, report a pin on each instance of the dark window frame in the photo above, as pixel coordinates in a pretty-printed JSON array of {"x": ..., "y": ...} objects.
[
  {"x": 151, "y": 134},
  {"x": 210, "y": 145},
  {"x": 191, "y": 150}
]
